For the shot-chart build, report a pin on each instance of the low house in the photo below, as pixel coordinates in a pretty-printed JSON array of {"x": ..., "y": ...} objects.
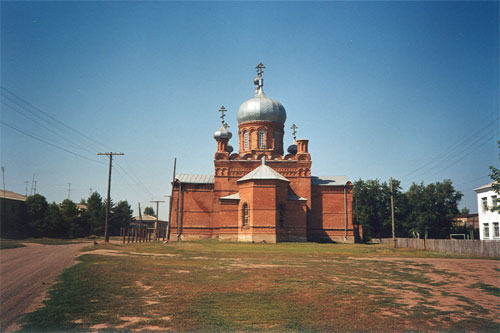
[
  {"x": 489, "y": 220},
  {"x": 148, "y": 222},
  {"x": 12, "y": 213},
  {"x": 470, "y": 221}
]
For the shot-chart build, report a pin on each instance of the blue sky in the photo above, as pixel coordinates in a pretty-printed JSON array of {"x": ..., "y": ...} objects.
[{"x": 402, "y": 89}]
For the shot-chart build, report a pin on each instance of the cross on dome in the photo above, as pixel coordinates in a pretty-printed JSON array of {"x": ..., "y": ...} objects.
[
  {"x": 260, "y": 69},
  {"x": 294, "y": 131},
  {"x": 223, "y": 110}
]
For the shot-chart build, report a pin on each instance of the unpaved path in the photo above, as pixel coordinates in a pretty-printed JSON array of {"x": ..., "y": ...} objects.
[{"x": 25, "y": 275}]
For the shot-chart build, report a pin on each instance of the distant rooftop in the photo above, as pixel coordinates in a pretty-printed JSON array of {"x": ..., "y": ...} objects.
[
  {"x": 195, "y": 179},
  {"x": 12, "y": 195},
  {"x": 329, "y": 180},
  {"x": 484, "y": 187}
]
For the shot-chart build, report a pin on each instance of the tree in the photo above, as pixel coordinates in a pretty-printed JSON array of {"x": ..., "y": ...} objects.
[
  {"x": 36, "y": 212},
  {"x": 95, "y": 214},
  {"x": 149, "y": 211},
  {"x": 55, "y": 223},
  {"x": 432, "y": 208},
  {"x": 495, "y": 176},
  {"x": 121, "y": 216},
  {"x": 465, "y": 211},
  {"x": 373, "y": 207},
  {"x": 71, "y": 219}
]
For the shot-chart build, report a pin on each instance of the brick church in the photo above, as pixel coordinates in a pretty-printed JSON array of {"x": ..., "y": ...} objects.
[{"x": 261, "y": 193}]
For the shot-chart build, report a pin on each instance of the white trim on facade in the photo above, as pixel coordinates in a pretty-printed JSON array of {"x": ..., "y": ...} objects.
[{"x": 489, "y": 221}]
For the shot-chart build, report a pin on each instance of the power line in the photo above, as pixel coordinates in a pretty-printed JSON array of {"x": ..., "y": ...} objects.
[
  {"x": 451, "y": 150},
  {"x": 54, "y": 119},
  {"x": 66, "y": 139},
  {"x": 47, "y": 142}
]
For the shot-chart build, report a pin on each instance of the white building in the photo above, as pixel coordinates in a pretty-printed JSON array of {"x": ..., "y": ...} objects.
[{"x": 489, "y": 228}]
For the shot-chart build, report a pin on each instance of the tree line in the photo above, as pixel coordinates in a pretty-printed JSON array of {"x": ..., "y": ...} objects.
[
  {"x": 65, "y": 220},
  {"x": 422, "y": 211}
]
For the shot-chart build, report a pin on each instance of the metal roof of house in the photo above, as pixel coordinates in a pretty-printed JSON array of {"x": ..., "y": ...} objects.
[
  {"x": 263, "y": 172},
  {"x": 12, "y": 195},
  {"x": 329, "y": 180},
  {"x": 234, "y": 196},
  {"x": 195, "y": 179},
  {"x": 147, "y": 218},
  {"x": 484, "y": 187}
]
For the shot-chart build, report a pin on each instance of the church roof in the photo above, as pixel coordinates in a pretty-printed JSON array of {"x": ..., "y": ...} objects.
[
  {"x": 329, "y": 180},
  {"x": 263, "y": 172},
  {"x": 195, "y": 179}
]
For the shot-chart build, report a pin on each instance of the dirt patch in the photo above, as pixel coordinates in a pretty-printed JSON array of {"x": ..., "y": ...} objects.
[
  {"x": 449, "y": 289},
  {"x": 27, "y": 273},
  {"x": 142, "y": 285},
  {"x": 182, "y": 271}
]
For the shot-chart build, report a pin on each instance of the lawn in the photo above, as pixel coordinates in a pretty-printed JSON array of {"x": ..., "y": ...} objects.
[
  {"x": 9, "y": 244},
  {"x": 215, "y": 286}
]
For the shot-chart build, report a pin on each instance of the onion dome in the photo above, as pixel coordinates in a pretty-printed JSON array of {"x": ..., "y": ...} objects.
[
  {"x": 292, "y": 149},
  {"x": 223, "y": 133},
  {"x": 260, "y": 107},
  {"x": 229, "y": 149}
]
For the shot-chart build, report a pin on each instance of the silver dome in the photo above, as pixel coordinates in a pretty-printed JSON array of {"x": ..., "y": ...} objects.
[
  {"x": 222, "y": 133},
  {"x": 261, "y": 107}
]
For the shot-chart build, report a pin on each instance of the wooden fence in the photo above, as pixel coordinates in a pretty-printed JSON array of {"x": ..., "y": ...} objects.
[
  {"x": 141, "y": 235},
  {"x": 481, "y": 248}
]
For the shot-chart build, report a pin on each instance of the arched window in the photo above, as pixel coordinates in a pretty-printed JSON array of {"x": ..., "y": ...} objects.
[
  {"x": 244, "y": 214},
  {"x": 262, "y": 143},
  {"x": 245, "y": 140},
  {"x": 276, "y": 140}
]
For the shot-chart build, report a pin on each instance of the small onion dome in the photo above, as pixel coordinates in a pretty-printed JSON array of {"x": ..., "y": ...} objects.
[
  {"x": 261, "y": 107},
  {"x": 292, "y": 149},
  {"x": 222, "y": 133},
  {"x": 229, "y": 149}
]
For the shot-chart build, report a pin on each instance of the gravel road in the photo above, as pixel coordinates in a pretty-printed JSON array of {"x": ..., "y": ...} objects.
[{"x": 25, "y": 275}]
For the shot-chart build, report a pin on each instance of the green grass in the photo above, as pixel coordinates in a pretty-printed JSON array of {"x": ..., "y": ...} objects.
[
  {"x": 9, "y": 244},
  {"x": 212, "y": 286}
]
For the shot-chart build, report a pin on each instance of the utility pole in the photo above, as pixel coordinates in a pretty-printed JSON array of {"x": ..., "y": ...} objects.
[
  {"x": 157, "y": 213},
  {"x": 394, "y": 241},
  {"x": 69, "y": 190},
  {"x": 26, "y": 183},
  {"x": 171, "y": 202},
  {"x": 32, "y": 183},
  {"x": 106, "y": 236},
  {"x": 3, "y": 177},
  {"x": 140, "y": 220},
  {"x": 34, "y": 189}
]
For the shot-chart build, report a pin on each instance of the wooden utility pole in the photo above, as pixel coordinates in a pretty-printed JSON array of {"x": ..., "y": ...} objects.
[
  {"x": 171, "y": 201},
  {"x": 69, "y": 190},
  {"x": 394, "y": 241},
  {"x": 106, "y": 236},
  {"x": 157, "y": 211},
  {"x": 140, "y": 219}
]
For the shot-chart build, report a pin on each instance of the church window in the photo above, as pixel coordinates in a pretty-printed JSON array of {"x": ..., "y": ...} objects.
[
  {"x": 245, "y": 140},
  {"x": 276, "y": 140},
  {"x": 244, "y": 213},
  {"x": 262, "y": 143}
]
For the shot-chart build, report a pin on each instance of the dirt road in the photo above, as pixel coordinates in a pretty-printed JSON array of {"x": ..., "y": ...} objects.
[{"x": 25, "y": 275}]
